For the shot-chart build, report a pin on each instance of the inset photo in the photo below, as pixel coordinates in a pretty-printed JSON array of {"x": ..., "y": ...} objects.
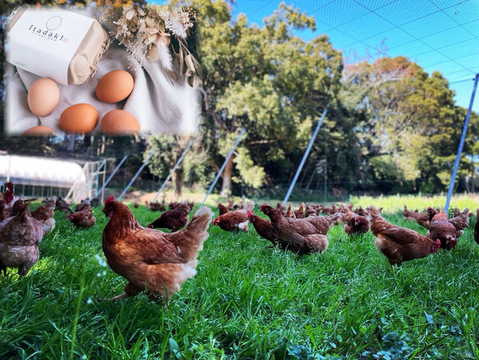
[{"x": 113, "y": 70}]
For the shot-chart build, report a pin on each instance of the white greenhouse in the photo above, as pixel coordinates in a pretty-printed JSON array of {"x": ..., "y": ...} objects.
[{"x": 44, "y": 177}]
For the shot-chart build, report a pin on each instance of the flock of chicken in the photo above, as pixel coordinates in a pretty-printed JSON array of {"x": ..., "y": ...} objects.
[
  {"x": 22, "y": 230},
  {"x": 304, "y": 230},
  {"x": 158, "y": 263}
]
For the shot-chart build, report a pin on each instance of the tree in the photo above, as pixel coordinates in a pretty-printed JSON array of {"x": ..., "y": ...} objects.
[
  {"x": 193, "y": 168},
  {"x": 411, "y": 128},
  {"x": 266, "y": 80}
]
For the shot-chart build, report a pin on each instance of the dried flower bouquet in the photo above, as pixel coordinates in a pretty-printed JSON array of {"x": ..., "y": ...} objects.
[{"x": 157, "y": 33}]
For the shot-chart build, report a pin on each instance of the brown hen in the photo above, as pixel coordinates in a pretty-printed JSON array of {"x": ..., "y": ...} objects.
[
  {"x": 440, "y": 228},
  {"x": 223, "y": 209},
  {"x": 20, "y": 236},
  {"x": 82, "y": 205},
  {"x": 290, "y": 212},
  {"x": 355, "y": 224},
  {"x": 232, "y": 221},
  {"x": 172, "y": 219},
  {"x": 83, "y": 218},
  {"x": 460, "y": 221},
  {"x": 420, "y": 218},
  {"x": 151, "y": 260},
  {"x": 44, "y": 214},
  {"x": 310, "y": 211},
  {"x": 299, "y": 236},
  {"x": 300, "y": 212},
  {"x": 264, "y": 228},
  {"x": 157, "y": 206},
  {"x": 236, "y": 220},
  {"x": 399, "y": 244},
  {"x": 431, "y": 213}
]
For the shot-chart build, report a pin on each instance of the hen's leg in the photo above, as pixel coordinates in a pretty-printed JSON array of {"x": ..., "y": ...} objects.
[
  {"x": 159, "y": 298},
  {"x": 392, "y": 263},
  {"x": 130, "y": 290},
  {"x": 24, "y": 269}
]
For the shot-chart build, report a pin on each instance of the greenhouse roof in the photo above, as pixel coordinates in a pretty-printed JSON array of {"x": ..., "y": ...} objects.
[{"x": 40, "y": 171}]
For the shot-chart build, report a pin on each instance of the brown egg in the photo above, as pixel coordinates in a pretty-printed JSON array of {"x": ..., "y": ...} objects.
[
  {"x": 114, "y": 86},
  {"x": 119, "y": 122},
  {"x": 43, "y": 96},
  {"x": 79, "y": 119},
  {"x": 38, "y": 131}
]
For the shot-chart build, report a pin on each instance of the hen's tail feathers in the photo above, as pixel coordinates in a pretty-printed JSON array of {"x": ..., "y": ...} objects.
[
  {"x": 243, "y": 226},
  {"x": 347, "y": 215},
  {"x": 374, "y": 212},
  {"x": 319, "y": 242},
  {"x": 335, "y": 218},
  {"x": 199, "y": 224},
  {"x": 324, "y": 243},
  {"x": 249, "y": 206}
]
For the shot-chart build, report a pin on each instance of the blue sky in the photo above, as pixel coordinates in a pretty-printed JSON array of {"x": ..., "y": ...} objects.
[{"x": 437, "y": 34}]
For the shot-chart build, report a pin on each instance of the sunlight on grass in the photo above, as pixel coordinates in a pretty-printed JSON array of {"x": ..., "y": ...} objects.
[
  {"x": 395, "y": 204},
  {"x": 249, "y": 301}
]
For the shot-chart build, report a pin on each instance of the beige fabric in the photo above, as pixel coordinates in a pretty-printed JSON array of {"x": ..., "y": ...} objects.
[
  {"x": 83, "y": 64},
  {"x": 160, "y": 103}
]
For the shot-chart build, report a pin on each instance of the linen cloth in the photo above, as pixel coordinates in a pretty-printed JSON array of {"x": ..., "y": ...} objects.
[{"x": 160, "y": 103}]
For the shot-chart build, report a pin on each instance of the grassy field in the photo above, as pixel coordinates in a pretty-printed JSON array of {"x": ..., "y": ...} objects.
[{"x": 248, "y": 301}]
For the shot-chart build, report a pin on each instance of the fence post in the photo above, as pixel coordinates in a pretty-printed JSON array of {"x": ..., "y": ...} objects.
[
  {"x": 137, "y": 173},
  {"x": 305, "y": 156},
  {"x": 111, "y": 176},
  {"x": 461, "y": 145}
]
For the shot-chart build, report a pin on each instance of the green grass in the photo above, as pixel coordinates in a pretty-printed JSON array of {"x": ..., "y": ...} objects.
[
  {"x": 246, "y": 302},
  {"x": 395, "y": 204}
]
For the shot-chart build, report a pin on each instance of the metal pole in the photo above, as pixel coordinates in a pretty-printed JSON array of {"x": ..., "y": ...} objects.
[
  {"x": 95, "y": 174},
  {"x": 305, "y": 156},
  {"x": 137, "y": 173},
  {"x": 173, "y": 170},
  {"x": 102, "y": 166},
  {"x": 325, "y": 167},
  {"x": 461, "y": 145},
  {"x": 223, "y": 166},
  {"x": 8, "y": 168},
  {"x": 103, "y": 180},
  {"x": 111, "y": 176}
]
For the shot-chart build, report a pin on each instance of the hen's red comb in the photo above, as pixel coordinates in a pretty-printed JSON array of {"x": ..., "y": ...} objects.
[
  {"x": 250, "y": 213},
  {"x": 109, "y": 200}
]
